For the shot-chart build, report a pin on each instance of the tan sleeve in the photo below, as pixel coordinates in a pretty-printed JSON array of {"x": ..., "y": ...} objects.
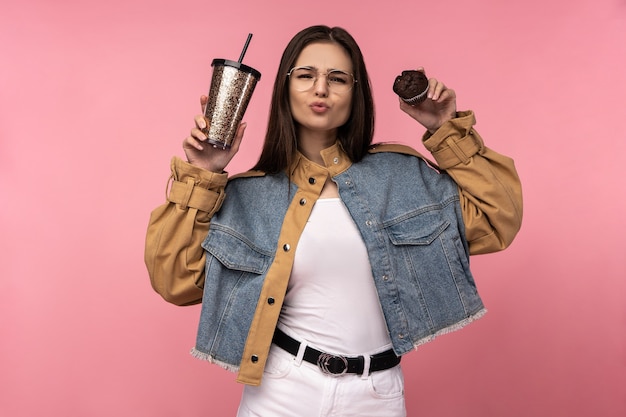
[
  {"x": 173, "y": 252},
  {"x": 490, "y": 188}
]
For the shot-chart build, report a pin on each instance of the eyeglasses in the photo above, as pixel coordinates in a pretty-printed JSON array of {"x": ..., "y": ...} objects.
[{"x": 304, "y": 78}]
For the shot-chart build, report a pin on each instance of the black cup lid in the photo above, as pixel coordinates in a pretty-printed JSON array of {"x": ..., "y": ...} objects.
[{"x": 237, "y": 65}]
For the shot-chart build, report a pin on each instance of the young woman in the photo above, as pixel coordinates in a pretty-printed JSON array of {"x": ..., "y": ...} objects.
[{"x": 332, "y": 258}]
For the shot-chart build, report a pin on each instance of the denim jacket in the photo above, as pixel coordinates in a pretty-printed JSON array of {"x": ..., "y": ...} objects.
[{"x": 419, "y": 225}]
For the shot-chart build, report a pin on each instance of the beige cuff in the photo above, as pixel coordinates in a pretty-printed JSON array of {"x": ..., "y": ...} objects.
[
  {"x": 455, "y": 141},
  {"x": 195, "y": 187}
]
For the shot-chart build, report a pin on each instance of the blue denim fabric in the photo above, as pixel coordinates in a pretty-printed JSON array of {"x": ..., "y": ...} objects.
[{"x": 410, "y": 219}]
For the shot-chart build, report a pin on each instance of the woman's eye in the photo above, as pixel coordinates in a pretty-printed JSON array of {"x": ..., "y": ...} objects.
[
  {"x": 304, "y": 75},
  {"x": 337, "y": 78}
]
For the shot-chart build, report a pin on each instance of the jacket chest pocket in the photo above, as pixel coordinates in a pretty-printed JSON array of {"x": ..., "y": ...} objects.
[
  {"x": 418, "y": 230},
  {"x": 429, "y": 251},
  {"x": 235, "y": 252}
]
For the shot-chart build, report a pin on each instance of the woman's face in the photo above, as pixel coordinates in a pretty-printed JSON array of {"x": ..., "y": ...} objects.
[{"x": 321, "y": 109}]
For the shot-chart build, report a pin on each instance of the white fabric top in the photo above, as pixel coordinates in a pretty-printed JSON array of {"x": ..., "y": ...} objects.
[{"x": 331, "y": 302}]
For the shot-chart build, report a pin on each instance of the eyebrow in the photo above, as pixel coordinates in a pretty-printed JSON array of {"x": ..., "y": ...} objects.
[{"x": 317, "y": 69}]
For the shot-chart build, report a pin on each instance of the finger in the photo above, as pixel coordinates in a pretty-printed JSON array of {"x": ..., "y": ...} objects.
[
  {"x": 440, "y": 88},
  {"x": 200, "y": 121},
  {"x": 203, "y": 101},
  {"x": 191, "y": 142},
  {"x": 435, "y": 88},
  {"x": 198, "y": 134},
  {"x": 447, "y": 94}
]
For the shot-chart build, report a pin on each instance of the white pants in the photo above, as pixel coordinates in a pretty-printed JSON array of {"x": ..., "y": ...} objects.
[{"x": 295, "y": 388}]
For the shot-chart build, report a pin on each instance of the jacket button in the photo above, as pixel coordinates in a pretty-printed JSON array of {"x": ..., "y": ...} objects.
[
  {"x": 385, "y": 278},
  {"x": 369, "y": 222},
  {"x": 336, "y": 161},
  {"x": 286, "y": 247},
  {"x": 302, "y": 201},
  {"x": 401, "y": 335},
  {"x": 254, "y": 358},
  {"x": 270, "y": 301},
  {"x": 311, "y": 180}
]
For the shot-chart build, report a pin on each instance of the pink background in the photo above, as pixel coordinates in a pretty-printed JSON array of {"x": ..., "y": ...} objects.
[{"x": 95, "y": 97}]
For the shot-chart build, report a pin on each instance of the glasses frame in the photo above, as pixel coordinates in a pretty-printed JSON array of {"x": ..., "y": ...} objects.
[{"x": 325, "y": 74}]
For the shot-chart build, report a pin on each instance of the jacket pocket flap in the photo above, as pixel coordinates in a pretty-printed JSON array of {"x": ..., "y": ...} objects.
[
  {"x": 421, "y": 229},
  {"x": 235, "y": 251}
]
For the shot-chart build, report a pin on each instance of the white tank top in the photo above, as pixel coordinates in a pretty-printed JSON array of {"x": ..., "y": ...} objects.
[{"x": 331, "y": 301}]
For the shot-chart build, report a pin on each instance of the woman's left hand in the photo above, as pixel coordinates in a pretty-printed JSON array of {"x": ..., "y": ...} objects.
[{"x": 438, "y": 108}]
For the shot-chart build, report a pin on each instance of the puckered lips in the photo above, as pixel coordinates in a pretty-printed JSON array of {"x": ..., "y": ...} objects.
[{"x": 319, "y": 107}]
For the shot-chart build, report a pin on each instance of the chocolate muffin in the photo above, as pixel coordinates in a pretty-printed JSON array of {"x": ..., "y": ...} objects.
[{"x": 411, "y": 86}]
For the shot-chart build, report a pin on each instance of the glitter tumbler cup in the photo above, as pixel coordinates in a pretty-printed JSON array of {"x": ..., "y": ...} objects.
[{"x": 232, "y": 85}]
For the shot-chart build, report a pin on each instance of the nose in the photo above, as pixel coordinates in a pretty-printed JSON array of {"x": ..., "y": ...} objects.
[{"x": 321, "y": 85}]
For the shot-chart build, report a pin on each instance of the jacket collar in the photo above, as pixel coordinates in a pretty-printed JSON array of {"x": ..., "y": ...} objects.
[{"x": 335, "y": 160}]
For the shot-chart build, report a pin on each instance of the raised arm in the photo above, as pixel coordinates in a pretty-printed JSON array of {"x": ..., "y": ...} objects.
[
  {"x": 173, "y": 252},
  {"x": 489, "y": 186}
]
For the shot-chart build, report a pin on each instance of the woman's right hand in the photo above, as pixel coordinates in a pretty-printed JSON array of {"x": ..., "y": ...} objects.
[{"x": 201, "y": 153}]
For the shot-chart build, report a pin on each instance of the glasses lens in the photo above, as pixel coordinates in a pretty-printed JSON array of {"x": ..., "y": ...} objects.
[
  {"x": 339, "y": 81},
  {"x": 303, "y": 78}
]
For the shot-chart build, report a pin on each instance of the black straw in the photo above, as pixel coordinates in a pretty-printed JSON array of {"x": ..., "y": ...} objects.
[{"x": 245, "y": 48}]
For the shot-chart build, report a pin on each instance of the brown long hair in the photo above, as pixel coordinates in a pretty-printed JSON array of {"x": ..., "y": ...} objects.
[{"x": 355, "y": 135}]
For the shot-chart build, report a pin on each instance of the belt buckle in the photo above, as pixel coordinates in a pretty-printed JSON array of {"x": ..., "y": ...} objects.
[{"x": 324, "y": 361}]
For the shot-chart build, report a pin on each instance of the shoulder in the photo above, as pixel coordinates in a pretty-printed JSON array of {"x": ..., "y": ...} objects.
[
  {"x": 251, "y": 180},
  {"x": 252, "y": 188},
  {"x": 397, "y": 148},
  {"x": 247, "y": 174},
  {"x": 394, "y": 148}
]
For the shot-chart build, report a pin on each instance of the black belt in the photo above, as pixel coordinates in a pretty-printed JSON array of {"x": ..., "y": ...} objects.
[{"x": 336, "y": 364}]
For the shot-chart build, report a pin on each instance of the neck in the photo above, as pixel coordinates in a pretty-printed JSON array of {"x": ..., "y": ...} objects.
[{"x": 312, "y": 143}]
